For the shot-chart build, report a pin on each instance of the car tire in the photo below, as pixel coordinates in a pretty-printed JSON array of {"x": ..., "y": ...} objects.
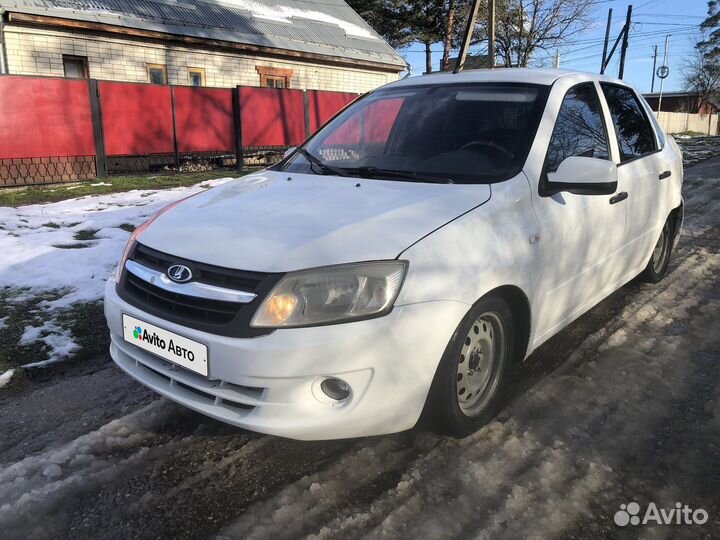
[
  {"x": 657, "y": 266},
  {"x": 468, "y": 385}
]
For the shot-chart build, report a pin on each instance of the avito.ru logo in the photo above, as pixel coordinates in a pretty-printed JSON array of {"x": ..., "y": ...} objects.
[{"x": 682, "y": 514}]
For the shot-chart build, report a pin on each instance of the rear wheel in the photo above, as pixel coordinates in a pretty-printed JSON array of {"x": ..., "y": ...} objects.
[
  {"x": 660, "y": 258},
  {"x": 467, "y": 388}
]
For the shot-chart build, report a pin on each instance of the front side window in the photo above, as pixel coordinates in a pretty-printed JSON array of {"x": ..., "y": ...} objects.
[
  {"x": 579, "y": 129},
  {"x": 634, "y": 132},
  {"x": 467, "y": 133}
]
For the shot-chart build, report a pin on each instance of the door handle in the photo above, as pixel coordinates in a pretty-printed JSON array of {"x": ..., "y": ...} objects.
[
  {"x": 619, "y": 197},
  {"x": 664, "y": 175}
]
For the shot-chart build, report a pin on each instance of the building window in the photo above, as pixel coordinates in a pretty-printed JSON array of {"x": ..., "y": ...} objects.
[
  {"x": 274, "y": 77},
  {"x": 76, "y": 67},
  {"x": 196, "y": 76},
  {"x": 157, "y": 73},
  {"x": 271, "y": 81}
]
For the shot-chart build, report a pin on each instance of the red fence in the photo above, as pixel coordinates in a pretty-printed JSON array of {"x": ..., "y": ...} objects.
[
  {"x": 45, "y": 130},
  {"x": 54, "y": 130},
  {"x": 137, "y": 119},
  {"x": 264, "y": 116},
  {"x": 323, "y": 105},
  {"x": 204, "y": 119}
]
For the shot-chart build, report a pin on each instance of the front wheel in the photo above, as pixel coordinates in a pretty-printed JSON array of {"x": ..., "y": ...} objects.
[
  {"x": 657, "y": 267},
  {"x": 467, "y": 388}
]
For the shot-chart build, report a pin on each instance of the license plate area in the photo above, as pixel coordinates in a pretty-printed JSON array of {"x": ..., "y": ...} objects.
[{"x": 167, "y": 345}]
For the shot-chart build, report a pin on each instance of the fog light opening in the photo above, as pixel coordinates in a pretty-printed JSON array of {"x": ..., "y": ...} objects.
[{"x": 335, "y": 389}]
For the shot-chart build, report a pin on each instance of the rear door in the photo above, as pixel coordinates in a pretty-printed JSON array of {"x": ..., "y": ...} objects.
[{"x": 642, "y": 171}]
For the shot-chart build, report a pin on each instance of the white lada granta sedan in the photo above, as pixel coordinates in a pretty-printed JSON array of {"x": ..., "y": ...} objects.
[{"x": 432, "y": 233}]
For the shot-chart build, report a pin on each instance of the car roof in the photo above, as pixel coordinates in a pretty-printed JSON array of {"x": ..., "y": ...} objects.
[{"x": 502, "y": 75}]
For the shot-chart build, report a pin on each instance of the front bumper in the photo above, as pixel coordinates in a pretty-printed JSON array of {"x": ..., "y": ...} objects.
[{"x": 271, "y": 383}]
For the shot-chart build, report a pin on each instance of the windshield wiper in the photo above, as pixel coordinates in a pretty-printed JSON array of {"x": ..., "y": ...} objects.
[
  {"x": 324, "y": 166},
  {"x": 374, "y": 172}
]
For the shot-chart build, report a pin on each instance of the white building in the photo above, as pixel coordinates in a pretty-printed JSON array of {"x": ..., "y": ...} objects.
[{"x": 305, "y": 44}]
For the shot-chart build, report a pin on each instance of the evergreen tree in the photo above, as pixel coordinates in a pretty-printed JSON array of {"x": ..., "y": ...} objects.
[{"x": 702, "y": 70}]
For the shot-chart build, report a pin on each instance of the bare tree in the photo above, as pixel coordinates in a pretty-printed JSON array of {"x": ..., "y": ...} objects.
[
  {"x": 701, "y": 73},
  {"x": 525, "y": 27}
]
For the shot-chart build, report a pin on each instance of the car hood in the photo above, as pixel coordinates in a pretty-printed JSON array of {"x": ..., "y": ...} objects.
[{"x": 277, "y": 222}]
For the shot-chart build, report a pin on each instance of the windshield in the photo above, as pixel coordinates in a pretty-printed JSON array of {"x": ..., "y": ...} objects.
[{"x": 461, "y": 133}]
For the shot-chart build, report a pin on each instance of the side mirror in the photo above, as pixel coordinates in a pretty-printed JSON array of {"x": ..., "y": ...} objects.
[
  {"x": 583, "y": 176},
  {"x": 289, "y": 151}
]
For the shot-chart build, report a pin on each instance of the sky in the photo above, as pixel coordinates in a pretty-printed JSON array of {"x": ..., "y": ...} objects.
[{"x": 652, "y": 20}]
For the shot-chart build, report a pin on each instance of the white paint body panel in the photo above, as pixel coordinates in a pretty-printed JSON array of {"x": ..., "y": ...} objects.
[
  {"x": 564, "y": 253},
  {"x": 266, "y": 223}
]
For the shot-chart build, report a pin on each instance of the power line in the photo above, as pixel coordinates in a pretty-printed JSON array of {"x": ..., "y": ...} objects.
[
  {"x": 666, "y": 24},
  {"x": 673, "y": 16}
]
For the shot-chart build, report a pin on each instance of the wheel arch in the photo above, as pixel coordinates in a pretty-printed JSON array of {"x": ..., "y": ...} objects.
[
  {"x": 520, "y": 308},
  {"x": 677, "y": 214}
]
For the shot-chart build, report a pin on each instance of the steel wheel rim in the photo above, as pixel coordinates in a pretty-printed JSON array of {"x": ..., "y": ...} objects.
[
  {"x": 660, "y": 249},
  {"x": 478, "y": 368}
]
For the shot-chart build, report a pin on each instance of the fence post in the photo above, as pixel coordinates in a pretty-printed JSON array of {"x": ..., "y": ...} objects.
[
  {"x": 306, "y": 106},
  {"x": 98, "y": 133},
  {"x": 237, "y": 129},
  {"x": 175, "y": 137}
]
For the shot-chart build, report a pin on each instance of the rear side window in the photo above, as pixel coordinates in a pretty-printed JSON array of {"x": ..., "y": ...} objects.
[
  {"x": 634, "y": 132},
  {"x": 579, "y": 129}
]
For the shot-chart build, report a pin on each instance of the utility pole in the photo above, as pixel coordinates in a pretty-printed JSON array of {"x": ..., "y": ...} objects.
[
  {"x": 605, "y": 46},
  {"x": 557, "y": 59},
  {"x": 652, "y": 84},
  {"x": 626, "y": 34},
  {"x": 491, "y": 33},
  {"x": 622, "y": 36},
  {"x": 468, "y": 36},
  {"x": 662, "y": 81}
]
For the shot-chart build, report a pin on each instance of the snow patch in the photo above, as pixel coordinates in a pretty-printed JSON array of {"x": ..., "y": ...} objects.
[
  {"x": 45, "y": 258},
  {"x": 285, "y": 14},
  {"x": 5, "y": 377},
  {"x": 38, "y": 481},
  {"x": 58, "y": 341}
]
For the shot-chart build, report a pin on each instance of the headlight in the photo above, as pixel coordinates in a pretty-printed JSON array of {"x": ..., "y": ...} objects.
[{"x": 333, "y": 294}]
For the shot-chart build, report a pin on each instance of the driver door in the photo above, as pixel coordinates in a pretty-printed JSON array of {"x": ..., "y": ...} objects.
[{"x": 580, "y": 234}]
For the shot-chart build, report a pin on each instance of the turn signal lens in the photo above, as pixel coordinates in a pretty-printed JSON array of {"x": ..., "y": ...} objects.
[{"x": 279, "y": 307}]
